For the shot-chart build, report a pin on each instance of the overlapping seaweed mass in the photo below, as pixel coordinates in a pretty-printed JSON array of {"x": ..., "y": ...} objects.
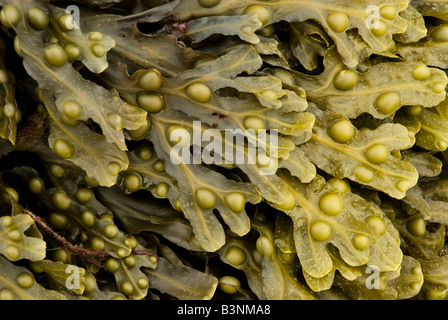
[{"x": 220, "y": 149}]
